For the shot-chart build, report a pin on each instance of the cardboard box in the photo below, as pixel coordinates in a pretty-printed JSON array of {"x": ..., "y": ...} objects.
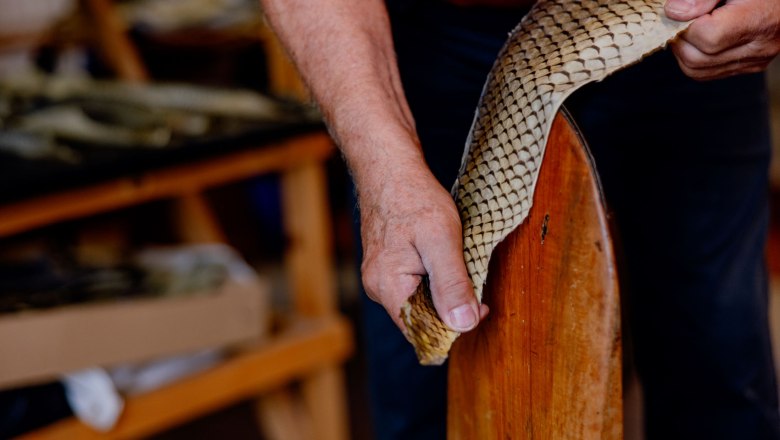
[{"x": 37, "y": 346}]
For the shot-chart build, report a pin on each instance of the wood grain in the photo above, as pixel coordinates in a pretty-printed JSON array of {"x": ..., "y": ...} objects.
[{"x": 546, "y": 364}]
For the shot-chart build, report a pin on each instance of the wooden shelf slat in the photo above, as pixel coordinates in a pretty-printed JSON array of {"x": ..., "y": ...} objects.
[
  {"x": 169, "y": 182},
  {"x": 306, "y": 346}
]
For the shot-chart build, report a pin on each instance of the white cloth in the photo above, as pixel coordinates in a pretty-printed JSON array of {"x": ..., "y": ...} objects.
[{"x": 93, "y": 398}]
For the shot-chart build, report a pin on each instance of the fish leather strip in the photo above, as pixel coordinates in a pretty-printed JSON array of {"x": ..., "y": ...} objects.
[{"x": 558, "y": 47}]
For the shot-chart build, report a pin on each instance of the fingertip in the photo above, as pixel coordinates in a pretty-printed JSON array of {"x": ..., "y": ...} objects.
[
  {"x": 455, "y": 301},
  {"x": 677, "y": 9},
  {"x": 463, "y": 317},
  {"x": 484, "y": 310},
  {"x": 684, "y": 10}
]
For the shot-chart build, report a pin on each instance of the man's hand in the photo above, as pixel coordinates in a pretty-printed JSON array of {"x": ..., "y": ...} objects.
[
  {"x": 344, "y": 50},
  {"x": 742, "y": 36},
  {"x": 411, "y": 227}
]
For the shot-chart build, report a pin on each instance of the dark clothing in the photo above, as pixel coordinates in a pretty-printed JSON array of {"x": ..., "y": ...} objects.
[{"x": 684, "y": 169}]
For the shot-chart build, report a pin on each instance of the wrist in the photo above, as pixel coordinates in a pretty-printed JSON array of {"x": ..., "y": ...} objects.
[
  {"x": 388, "y": 174},
  {"x": 396, "y": 185},
  {"x": 379, "y": 152}
]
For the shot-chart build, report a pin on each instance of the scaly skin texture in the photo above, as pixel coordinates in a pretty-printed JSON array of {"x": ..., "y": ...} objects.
[{"x": 560, "y": 46}]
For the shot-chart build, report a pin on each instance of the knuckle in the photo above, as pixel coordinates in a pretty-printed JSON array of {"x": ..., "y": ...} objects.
[
  {"x": 695, "y": 74},
  {"x": 690, "y": 57},
  {"x": 371, "y": 293},
  {"x": 382, "y": 281},
  {"x": 693, "y": 62},
  {"x": 711, "y": 41},
  {"x": 682, "y": 53},
  {"x": 372, "y": 296},
  {"x": 695, "y": 59},
  {"x": 371, "y": 277}
]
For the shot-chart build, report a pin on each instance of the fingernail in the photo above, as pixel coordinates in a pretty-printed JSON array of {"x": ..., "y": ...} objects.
[
  {"x": 463, "y": 318},
  {"x": 680, "y": 6}
]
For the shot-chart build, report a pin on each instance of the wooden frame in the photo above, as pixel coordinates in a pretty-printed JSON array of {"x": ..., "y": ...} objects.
[{"x": 310, "y": 352}]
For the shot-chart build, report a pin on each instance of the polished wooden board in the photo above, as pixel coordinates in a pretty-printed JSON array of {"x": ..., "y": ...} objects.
[{"x": 546, "y": 364}]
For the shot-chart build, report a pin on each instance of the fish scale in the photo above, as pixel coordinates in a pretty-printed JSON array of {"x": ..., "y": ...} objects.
[{"x": 557, "y": 48}]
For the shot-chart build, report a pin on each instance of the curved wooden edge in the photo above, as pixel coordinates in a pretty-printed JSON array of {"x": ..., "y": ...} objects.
[
  {"x": 547, "y": 361},
  {"x": 579, "y": 139}
]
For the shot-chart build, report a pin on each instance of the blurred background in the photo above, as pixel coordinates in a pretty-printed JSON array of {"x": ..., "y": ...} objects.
[
  {"x": 176, "y": 244},
  {"x": 177, "y": 254}
]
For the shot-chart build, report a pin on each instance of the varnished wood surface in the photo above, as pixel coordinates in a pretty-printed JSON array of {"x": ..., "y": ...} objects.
[{"x": 546, "y": 364}]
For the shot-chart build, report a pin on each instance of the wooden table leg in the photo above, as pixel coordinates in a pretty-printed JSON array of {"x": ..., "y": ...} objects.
[
  {"x": 308, "y": 229},
  {"x": 282, "y": 416},
  {"x": 324, "y": 395},
  {"x": 310, "y": 265},
  {"x": 195, "y": 220}
]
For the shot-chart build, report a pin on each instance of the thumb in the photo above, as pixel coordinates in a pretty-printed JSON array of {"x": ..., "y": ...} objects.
[
  {"x": 684, "y": 10},
  {"x": 451, "y": 289}
]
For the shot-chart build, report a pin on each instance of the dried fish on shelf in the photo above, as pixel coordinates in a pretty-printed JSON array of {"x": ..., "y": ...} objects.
[
  {"x": 55, "y": 117},
  {"x": 167, "y": 15},
  {"x": 41, "y": 282},
  {"x": 36, "y": 146},
  {"x": 180, "y": 123},
  {"x": 70, "y": 123},
  {"x": 221, "y": 102}
]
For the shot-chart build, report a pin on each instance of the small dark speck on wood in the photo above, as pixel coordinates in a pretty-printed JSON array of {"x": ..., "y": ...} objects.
[
  {"x": 544, "y": 226},
  {"x": 598, "y": 245}
]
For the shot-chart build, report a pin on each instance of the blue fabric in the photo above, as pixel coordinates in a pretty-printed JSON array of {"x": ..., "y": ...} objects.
[{"x": 687, "y": 183}]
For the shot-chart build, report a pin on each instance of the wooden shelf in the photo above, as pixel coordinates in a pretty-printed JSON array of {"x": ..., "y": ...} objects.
[
  {"x": 166, "y": 183},
  {"x": 310, "y": 352},
  {"x": 307, "y": 346}
]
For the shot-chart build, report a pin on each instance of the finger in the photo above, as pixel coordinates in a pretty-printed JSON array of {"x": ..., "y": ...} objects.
[
  {"x": 390, "y": 281},
  {"x": 484, "y": 310},
  {"x": 727, "y": 27},
  {"x": 684, "y": 10},
  {"x": 703, "y": 67},
  {"x": 393, "y": 299},
  {"x": 724, "y": 71},
  {"x": 693, "y": 58},
  {"x": 451, "y": 289}
]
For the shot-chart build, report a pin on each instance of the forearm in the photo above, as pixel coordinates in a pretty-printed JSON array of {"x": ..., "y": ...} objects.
[{"x": 344, "y": 50}]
